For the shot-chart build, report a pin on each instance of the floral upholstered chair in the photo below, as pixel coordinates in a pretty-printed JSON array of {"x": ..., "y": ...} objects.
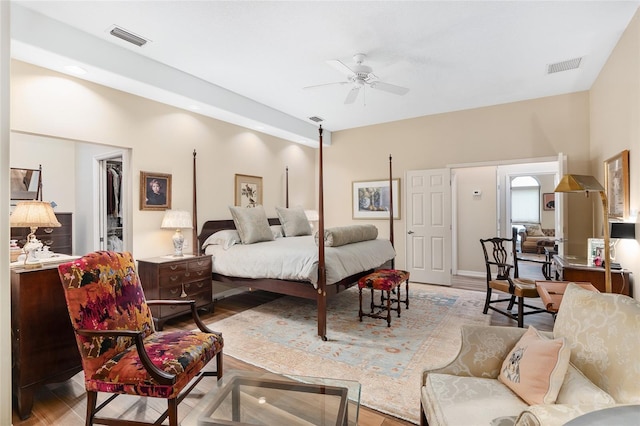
[
  {"x": 121, "y": 351},
  {"x": 512, "y": 376}
]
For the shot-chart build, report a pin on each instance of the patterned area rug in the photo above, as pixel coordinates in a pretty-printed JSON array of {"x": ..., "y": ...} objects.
[{"x": 281, "y": 336}]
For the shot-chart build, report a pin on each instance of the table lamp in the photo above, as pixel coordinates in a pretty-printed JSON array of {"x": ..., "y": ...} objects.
[
  {"x": 586, "y": 184},
  {"x": 33, "y": 214},
  {"x": 177, "y": 219}
]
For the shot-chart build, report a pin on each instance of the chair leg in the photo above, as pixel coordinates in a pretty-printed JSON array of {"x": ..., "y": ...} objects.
[
  {"x": 486, "y": 302},
  {"x": 406, "y": 291},
  {"x": 92, "y": 398},
  {"x": 521, "y": 312},
  {"x": 388, "y": 308},
  {"x": 172, "y": 410},
  {"x": 512, "y": 302},
  {"x": 399, "y": 294},
  {"x": 219, "y": 365}
]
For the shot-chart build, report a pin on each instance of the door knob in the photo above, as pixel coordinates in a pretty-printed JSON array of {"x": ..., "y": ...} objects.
[{"x": 410, "y": 232}]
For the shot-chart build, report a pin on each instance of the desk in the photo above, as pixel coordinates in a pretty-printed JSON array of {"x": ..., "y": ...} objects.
[
  {"x": 551, "y": 292},
  {"x": 574, "y": 268}
]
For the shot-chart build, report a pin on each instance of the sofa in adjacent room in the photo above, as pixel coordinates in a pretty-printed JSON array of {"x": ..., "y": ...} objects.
[
  {"x": 512, "y": 376},
  {"x": 534, "y": 238}
]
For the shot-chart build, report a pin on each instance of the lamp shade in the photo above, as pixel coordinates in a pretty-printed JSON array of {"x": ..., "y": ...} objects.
[
  {"x": 623, "y": 230},
  {"x": 176, "y": 219},
  {"x": 33, "y": 214},
  {"x": 578, "y": 183}
]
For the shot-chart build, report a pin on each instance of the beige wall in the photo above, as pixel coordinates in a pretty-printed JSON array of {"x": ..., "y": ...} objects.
[
  {"x": 162, "y": 139},
  {"x": 523, "y": 130},
  {"x": 615, "y": 126}
]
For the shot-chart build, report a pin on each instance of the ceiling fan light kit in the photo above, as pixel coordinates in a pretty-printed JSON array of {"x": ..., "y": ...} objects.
[{"x": 360, "y": 76}]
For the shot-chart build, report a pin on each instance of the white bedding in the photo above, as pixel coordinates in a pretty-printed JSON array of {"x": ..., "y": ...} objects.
[{"x": 296, "y": 258}]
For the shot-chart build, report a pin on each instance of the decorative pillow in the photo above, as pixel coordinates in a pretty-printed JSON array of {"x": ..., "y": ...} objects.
[
  {"x": 225, "y": 238},
  {"x": 341, "y": 235},
  {"x": 276, "y": 230},
  {"x": 294, "y": 221},
  {"x": 535, "y": 368},
  {"x": 534, "y": 230},
  {"x": 577, "y": 389},
  {"x": 252, "y": 224}
]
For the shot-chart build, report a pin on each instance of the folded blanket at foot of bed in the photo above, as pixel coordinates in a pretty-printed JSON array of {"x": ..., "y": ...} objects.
[{"x": 341, "y": 235}]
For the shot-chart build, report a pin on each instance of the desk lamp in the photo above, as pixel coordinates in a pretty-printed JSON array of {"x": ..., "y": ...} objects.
[
  {"x": 33, "y": 214},
  {"x": 177, "y": 219},
  {"x": 621, "y": 231},
  {"x": 586, "y": 184}
]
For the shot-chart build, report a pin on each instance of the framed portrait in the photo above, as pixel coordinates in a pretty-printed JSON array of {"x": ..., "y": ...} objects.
[
  {"x": 248, "y": 190},
  {"x": 371, "y": 199},
  {"x": 155, "y": 191},
  {"x": 549, "y": 201},
  {"x": 616, "y": 183}
]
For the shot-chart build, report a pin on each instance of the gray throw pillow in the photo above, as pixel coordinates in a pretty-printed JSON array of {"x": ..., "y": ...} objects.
[
  {"x": 252, "y": 224},
  {"x": 294, "y": 221}
]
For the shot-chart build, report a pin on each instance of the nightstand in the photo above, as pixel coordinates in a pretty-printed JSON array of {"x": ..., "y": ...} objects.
[{"x": 176, "y": 278}]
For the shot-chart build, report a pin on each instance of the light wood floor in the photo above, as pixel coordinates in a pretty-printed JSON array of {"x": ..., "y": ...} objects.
[{"x": 64, "y": 403}]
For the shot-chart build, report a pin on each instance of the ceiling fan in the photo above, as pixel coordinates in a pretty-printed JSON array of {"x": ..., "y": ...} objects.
[{"x": 361, "y": 76}]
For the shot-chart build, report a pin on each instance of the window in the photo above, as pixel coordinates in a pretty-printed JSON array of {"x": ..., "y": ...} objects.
[{"x": 525, "y": 200}]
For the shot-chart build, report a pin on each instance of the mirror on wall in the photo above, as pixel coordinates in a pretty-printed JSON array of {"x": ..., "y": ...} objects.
[{"x": 26, "y": 184}]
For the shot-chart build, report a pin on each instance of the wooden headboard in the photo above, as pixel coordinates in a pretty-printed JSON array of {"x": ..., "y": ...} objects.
[{"x": 212, "y": 226}]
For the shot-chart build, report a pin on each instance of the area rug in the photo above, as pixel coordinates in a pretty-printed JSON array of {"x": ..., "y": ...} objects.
[{"x": 281, "y": 336}]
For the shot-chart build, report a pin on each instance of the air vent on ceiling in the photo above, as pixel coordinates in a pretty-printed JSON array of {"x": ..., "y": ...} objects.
[
  {"x": 127, "y": 36},
  {"x": 570, "y": 64},
  {"x": 316, "y": 119}
]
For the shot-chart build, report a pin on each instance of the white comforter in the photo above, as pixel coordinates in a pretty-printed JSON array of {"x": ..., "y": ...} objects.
[{"x": 296, "y": 258}]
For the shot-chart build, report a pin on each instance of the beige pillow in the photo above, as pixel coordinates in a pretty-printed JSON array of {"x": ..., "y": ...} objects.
[
  {"x": 342, "y": 235},
  {"x": 577, "y": 389},
  {"x": 534, "y": 230},
  {"x": 294, "y": 221},
  {"x": 252, "y": 224},
  {"x": 535, "y": 368}
]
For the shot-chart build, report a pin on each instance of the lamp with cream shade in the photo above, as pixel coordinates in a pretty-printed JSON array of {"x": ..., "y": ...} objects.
[
  {"x": 33, "y": 214},
  {"x": 178, "y": 220}
]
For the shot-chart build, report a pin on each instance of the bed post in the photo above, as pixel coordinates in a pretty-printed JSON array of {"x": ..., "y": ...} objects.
[
  {"x": 322, "y": 277},
  {"x": 286, "y": 187},
  {"x": 391, "y": 207},
  {"x": 194, "y": 236}
]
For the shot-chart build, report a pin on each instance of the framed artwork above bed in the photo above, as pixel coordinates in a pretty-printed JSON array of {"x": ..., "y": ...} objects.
[
  {"x": 248, "y": 190},
  {"x": 371, "y": 199}
]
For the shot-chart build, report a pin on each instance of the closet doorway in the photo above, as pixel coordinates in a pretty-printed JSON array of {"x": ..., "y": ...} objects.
[{"x": 113, "y": 218}]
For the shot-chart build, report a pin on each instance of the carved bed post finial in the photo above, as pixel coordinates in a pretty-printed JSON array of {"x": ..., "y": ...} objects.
[{"x": 194, "y": 236}]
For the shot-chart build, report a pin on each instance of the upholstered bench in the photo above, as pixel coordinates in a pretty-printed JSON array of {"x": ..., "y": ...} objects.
[{"x": 385, "y": 280}]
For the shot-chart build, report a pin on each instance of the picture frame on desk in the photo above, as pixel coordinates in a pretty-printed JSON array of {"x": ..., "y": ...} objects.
[
  {"x": 595, "y": 249},
  {"x": 616, "y": 183}
]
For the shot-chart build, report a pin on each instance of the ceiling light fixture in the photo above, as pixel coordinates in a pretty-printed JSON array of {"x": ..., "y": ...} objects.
[{"x": 74, "y": 69}]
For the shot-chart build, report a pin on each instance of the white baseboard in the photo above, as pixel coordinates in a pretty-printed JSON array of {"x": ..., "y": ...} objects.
[{"x": 472, "y": 274}]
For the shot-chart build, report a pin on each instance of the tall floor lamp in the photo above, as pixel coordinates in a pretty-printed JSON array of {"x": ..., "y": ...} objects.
[{"x": 583, "y": 183}]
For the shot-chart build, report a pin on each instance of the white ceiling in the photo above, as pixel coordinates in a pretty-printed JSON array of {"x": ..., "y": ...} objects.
[{"x": 452, "y": 55}]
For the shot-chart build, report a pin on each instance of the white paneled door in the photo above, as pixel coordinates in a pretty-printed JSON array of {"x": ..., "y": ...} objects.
[{"x": 429, "y": 226}]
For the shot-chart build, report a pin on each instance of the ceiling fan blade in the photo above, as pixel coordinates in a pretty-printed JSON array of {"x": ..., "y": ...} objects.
[
  {"x": 341, "y": 83},
  {"x": 391, "y": 88},
  {"x": 352, "y": 95},
  {"x": 341, "y": 67}
]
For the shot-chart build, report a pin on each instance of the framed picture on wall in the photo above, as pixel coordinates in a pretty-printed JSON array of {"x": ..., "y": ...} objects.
[
  {"x": 155, "y": 191},
  {"x": 248, "y": 190},
  {"x": 616, "y": 183},
  {"x": 371, "y": 199},
  {"x": 549, "y": 201}
]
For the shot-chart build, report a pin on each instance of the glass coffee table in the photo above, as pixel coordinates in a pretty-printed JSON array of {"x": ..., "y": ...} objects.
[{"x": 261, "y": 398}]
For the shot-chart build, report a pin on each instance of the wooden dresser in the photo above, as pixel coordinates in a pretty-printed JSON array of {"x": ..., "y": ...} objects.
[
  {"x": 59, "y": 240},
  {"x": 44, "y": 347},
  {"x": 169, "y": 277}
]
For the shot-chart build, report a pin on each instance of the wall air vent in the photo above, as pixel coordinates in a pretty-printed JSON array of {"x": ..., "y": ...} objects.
[
  {"x": 570, "y": 64},
  {"x": 127, "y": 36},
  {"x": 316, "y": 119}
]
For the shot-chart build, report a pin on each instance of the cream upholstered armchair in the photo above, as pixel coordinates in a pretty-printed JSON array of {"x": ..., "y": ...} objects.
[{"x": 589, "y": 362}]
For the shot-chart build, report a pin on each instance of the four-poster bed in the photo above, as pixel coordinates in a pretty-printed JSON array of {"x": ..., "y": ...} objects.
[{"x": 309, "y": 287}]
